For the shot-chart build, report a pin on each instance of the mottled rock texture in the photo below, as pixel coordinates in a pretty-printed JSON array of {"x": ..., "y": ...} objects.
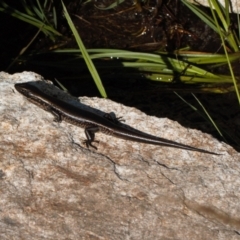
[{"x": 52, "y": 187}]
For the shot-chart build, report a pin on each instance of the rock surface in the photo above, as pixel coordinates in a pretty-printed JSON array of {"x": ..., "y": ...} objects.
[{"x": 52, "y": 187}]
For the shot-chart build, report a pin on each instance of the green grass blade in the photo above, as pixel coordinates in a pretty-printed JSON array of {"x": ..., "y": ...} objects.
[
  {"x": 202, "y": 15},
  {"x": 113, "y": 5},
  {"x": 195, "y": 109},
  {"x": 238, "y": 21},
  {"x": 46, "y": 29},
  {"x": 227, "y": 33},
  {"x": 208, "y": 58},
  {"x": 226, "y": 53},
  {"x": 55, "y": 17},
  {"x": 157, "y": 64},
  {"x": 219, "y": 9},
  {"x": 23, "y": 50},
  {"x": 227, "y": 8},
  {"x": 26, "y": 8},
  {"x": 85, "y": 54},
  {"x": 38, "y": 10},
  {"x": 209, "y": 117}
]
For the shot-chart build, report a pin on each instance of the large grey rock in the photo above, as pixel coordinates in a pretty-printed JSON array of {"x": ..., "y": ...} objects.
[{"x": 52, "y": 187}]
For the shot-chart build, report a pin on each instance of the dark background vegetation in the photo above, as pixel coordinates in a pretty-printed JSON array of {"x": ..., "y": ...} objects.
[{"x": 167, "y": 26}]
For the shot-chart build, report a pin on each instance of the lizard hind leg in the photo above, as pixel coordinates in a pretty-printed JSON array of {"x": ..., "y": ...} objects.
[{"x": 90, "y": 134}]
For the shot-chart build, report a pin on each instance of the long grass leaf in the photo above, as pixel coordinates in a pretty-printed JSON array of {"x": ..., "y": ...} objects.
[
  {"x": 47, "y": 29},
  {"x": 219, "y": 9},
  {"x": 86, "y": 57},
  {"x": 202, "y": 15},
  {"x": 226, "y": 53},
  {"x": 196, "y": 110},
  {"x": 113, "y": 5},
  {"x": 209, "y": 117}
]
